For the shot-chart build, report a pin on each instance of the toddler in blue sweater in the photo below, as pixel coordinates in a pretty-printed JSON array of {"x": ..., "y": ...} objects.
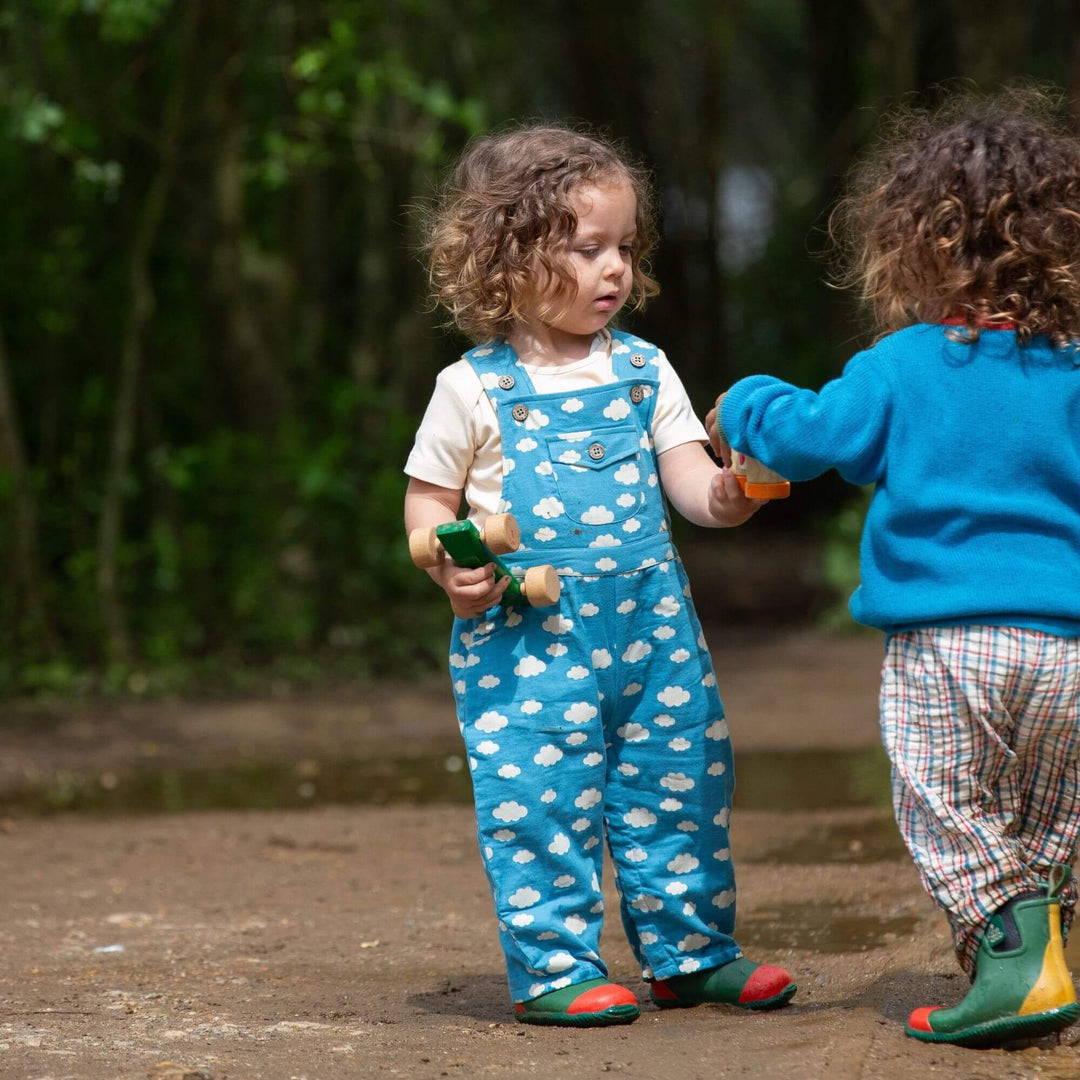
[{"x": 965, "y": 417}]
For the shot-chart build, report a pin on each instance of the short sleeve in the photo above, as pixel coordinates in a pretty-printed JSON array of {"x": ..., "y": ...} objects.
[
  {"x": 445, "y": 441},
  {"x": 674, "y": 420}
]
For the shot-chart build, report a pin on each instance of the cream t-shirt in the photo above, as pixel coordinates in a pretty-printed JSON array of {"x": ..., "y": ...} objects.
[{"x": 458, "y": 444}]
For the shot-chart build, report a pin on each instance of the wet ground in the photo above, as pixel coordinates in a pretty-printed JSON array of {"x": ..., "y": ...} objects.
[{"x": 215, "y": 911}]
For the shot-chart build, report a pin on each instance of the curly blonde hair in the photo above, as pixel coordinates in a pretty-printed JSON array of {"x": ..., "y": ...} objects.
[
  {"x": 969, "y": 213},
  {"x": 504, "y": 221}
]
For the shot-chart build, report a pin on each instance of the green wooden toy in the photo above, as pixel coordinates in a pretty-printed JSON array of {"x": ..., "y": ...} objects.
[{"x": 473, "y": 548}]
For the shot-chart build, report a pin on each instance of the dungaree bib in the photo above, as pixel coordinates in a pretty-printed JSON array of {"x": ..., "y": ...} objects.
[{"x": 599, "y": 715}]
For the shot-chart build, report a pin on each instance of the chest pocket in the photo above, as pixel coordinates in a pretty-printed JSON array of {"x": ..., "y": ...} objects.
[{"x": 600, "y": 474}]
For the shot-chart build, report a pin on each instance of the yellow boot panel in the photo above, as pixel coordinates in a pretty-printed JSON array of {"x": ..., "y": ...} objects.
[{"x": 1054, "y": 987}]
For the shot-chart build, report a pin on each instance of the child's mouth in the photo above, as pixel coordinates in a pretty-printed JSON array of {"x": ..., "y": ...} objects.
[{"x": 607, "y": 302}]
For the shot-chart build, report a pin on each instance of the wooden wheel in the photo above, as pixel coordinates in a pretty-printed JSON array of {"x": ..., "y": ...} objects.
[
  {"x": 425, "y": 549},
  {"x": 501, "y": 534},
  {"x": 541, "y": 586}
]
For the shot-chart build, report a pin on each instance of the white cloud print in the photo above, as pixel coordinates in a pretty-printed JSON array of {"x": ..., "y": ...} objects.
[
  {"x": 724, "y": 899},
  {"x": 598, "y": 515},
  {"x": 491, "y": 722},
  {"x": 617, "y": 409},
  {"x": 692, "y": 942},
  {"x": 557, "y": 624},
  {"x": 569, "y": 457},
  {"x": 588, "y": 609},
  {"x": 545, "y": 468},
  {"x": 536, "y": 419},
  {"x": 606, "y": 540},
  {"x": 529, "y": 707},
  {"x": 544, "y": 534},
  {"x": 676, "y": 781},
  {"x": 588, "y": 799},
  {"x": 486, "y": 682},
  {"x": 601, "y": 658},
  {"x": 575, "y": 924},
  {"x": 606, "y": 564},
  {"x": 718, "y": 730},
  {"x": 627, "y": 474},
  {"x": 549, "y": 507},
  {"x": 644, "y": 902},
  {"x": 632, "y": 732},
  {"x": 578, "y": 672},
  {"x": 508, "y": 772},
  {"x": 667, "y": 607},
  {"x": 580, "y": 712},
  {"x": 572, "y": 405},
  {"x": 636, "y": 854},
  {"x": 547, "y": 755},
  {"x": 487, "y": 747},
  {"x": 683, "y": 864},
  {"x": 639, "y": 818},
  {"x": 526, "y": 444},
  {"x": 510, "y": 811},
  {"x": 635, "y": 651},
  {"x": 560, "y": 844},
  {"x": 524, "y": 897},
  {"x": 530, "y": 665},
  {"x": 672, "y": 696}
]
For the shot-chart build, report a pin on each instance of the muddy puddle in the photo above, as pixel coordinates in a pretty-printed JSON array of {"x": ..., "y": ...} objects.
[
  {"x": 782, "y": 781},
  {"x": 824, "y": 927}
]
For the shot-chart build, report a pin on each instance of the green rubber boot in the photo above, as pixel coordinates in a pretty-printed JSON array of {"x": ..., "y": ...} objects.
[
  {"x": 593, "y": 1003},
  {"x": 739, "y": 982},
  {"x": 1022, "y": 987}
]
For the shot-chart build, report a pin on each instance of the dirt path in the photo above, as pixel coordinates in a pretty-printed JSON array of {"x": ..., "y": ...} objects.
[{"x": 359, "y": 942}]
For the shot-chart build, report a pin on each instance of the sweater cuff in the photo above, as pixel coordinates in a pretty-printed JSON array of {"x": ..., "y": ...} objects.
[{"x": 731, "y": 419}]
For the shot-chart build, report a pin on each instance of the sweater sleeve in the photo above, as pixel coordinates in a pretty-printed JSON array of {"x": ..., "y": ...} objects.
[{"x": 801, "y": 434}]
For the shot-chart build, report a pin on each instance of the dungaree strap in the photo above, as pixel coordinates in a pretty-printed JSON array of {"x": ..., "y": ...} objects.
[
  {"x": 502, "y": 374},
  {"x": 632, "y": 358}
]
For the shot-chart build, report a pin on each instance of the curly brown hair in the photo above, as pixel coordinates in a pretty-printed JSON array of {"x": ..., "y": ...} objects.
[
  {"x": 504, "y": 222},
  {"x": 969, "y": 212}
]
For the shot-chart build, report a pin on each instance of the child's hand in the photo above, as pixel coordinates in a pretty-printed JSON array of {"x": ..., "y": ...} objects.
[
  {"x": 727, "y": 503},
  {"x": 471, "y": 592},
  {"x": 719, "y": 445}
]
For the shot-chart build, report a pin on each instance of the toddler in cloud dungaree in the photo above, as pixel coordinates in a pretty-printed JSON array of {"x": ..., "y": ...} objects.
[{"x": 598, "y": 716}]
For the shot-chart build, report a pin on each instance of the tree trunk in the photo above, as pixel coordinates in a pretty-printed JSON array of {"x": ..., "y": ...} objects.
[
  {"x": 33, "y": 615},
  {"x": 259, "y": 383},
  {"x": 139, "y": 311}
]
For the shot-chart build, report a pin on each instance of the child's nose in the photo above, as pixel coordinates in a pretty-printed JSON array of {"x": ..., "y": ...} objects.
[{"x": 614, "y": 264}]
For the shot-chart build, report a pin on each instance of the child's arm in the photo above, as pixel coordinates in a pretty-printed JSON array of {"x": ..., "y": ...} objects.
[
  {"x": 801, "y": 433},
  {"x": 470, "y": 591},
  {"x": 701, "y": 492}
]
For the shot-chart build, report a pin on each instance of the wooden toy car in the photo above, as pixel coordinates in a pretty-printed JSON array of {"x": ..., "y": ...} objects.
[
  {"x": 756, "y": 481},
  {"x": 472, "y": 547}
]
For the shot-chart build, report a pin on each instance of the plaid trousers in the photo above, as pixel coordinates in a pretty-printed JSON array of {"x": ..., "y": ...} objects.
[{"x": 982, "y": 726}]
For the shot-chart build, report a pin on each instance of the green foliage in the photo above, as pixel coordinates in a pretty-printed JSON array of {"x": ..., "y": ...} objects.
[{"x": 288, "y": 348}]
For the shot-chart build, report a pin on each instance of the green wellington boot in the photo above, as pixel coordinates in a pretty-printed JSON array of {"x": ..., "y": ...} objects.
[
  {"x": 739, "y": 982},
  {"x": 593, "y": 1003},
  {"x": 1022, "y": 986}
]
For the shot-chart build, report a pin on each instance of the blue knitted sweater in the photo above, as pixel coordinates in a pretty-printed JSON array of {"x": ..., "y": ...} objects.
[{"x": 974, "y": 454}]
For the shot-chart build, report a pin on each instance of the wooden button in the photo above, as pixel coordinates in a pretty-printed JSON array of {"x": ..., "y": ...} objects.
[
  {"x": 637, "y": 360},
  {"x": 637, "y": 394},
  {"x": 596, "y": 451},
  {"x": 506, "y": 382},
  {"x": 520, "y": 412}
]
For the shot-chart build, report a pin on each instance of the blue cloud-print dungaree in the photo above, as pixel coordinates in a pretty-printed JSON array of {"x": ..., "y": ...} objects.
[{"x": 601, "y": 713}]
